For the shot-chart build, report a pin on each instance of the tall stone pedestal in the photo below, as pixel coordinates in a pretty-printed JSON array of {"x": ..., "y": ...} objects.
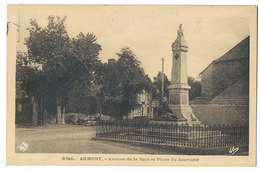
[
  {"x": 179, "y": 104},
  {"x": 179, "y": 88}
]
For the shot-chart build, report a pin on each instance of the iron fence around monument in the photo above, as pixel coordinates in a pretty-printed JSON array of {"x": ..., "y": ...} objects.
[{"x": 195, "y": 136}]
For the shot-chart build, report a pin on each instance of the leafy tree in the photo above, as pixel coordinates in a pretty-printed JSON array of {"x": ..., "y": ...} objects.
[
  {"x": 28, "y": 82},
  {"x": 195, "y": 90},
  {"x": 86, "y": 74},
  {"x": 123, "y": 80},
  {"x": 157, "y": 93},
  {"x": 67, "y": 64},
  {"x": 157, "y": 86},
  {"x": 50, "y": 47},
  {"x": 85, "y": 51},
  {"x": 84, "y": 100}
]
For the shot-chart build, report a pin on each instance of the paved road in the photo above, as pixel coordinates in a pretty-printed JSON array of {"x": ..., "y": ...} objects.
[{"x": 72, "y": 139}]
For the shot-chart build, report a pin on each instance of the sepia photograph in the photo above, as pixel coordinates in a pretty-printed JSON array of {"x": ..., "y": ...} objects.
[{"x": 131, "y": 84}]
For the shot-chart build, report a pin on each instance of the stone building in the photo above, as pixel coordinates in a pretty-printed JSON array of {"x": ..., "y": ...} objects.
[
  {"x": 230, "y": 70},
  {"x": 225, "y": 88},
  {"x": 144, "y": 108}
]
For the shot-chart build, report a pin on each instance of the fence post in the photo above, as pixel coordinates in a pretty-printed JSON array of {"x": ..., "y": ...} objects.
[
  {"x": 204, "y": 136},
  {"x": 199, "y": 133},
  {"x": 152, "y": 132},
  {"x": 223, "y": 135},
  {"x": 207, "y": 131},
  {"x": 96, "y": 129},
  {"x": 190, "y": 137}
]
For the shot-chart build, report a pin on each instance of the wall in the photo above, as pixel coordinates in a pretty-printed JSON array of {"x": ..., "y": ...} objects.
[
  {"x": 237, "y": 94},
  {"x": 226, "y": 70},
  {"x": 206, "y": 82},
  {"x": 227, "y": 73},
  {"x": 221, "y": 114}
]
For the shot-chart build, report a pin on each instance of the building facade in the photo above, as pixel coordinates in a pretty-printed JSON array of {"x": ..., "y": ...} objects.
[{"x": 144, "y": 108}]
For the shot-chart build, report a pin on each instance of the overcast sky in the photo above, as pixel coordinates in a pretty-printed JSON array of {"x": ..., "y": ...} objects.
[{"x": 150, "y": 30}]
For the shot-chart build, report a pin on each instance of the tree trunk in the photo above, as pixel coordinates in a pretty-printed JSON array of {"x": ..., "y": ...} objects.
[
  {"x": 34, "y": 111},
  {"x": 58, "y": 121},
  {"x": 63, "y": 115}
]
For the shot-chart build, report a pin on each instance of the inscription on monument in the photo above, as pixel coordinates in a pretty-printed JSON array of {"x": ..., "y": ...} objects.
[{"x": 174, "y": 99}]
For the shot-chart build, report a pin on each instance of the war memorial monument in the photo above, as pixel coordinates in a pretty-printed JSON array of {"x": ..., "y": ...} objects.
[{"x": 179, "y": 88}]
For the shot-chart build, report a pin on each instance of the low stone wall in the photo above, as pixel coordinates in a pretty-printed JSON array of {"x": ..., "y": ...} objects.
[{"x": 221, "y": 114}]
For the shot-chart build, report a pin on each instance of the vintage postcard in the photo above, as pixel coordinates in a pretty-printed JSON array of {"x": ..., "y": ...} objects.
[{"x": 131, "y": 85}]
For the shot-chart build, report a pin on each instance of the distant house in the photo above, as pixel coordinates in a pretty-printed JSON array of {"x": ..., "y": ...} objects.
[
  {"x": 155, "y": 107},
  {"x": 225, "y": 88},
  {"x": 144, "y": 108}
]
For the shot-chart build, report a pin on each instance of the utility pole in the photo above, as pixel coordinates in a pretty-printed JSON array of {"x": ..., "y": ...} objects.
[{"x": 162, "y": 78}]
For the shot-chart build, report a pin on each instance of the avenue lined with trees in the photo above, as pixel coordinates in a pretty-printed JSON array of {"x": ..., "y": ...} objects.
[{"x": 60, "y": 74}]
